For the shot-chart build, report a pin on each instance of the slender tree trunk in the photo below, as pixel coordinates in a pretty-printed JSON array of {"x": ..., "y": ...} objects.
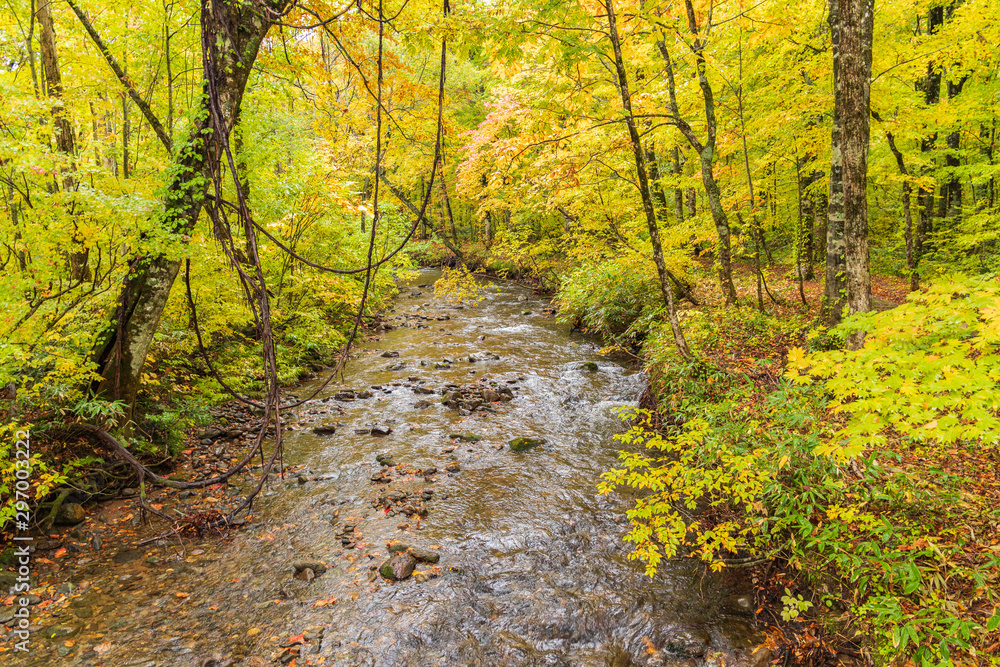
[
  {"x": 447, "y": 204},
  {"x": 931, "y": 86},
  {"x": 908, "y": 232},
  {"x": 65, "y": 138},
  {"x": 806, "y": 218},
  {"x": 678, "y": 192},
  {"x": 29, "y": 44},
  {"x": 126, "y": 134},
  {"x": 854, "y": 93},
  {"x": 954, "y": 183},
  {"x": 644, "y": 187},
  {"x": 706, "y": 153},
  {"x": 654, "y": 175},
  {"x": 170, "y": 73},
  {"x": 836, "y": 262}
]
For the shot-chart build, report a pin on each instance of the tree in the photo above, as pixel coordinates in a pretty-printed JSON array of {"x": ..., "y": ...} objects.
[
  {"x": 644, "y": 187},
  {"x": 853, "y": 101},
  {"x": 232, "y": 34}
]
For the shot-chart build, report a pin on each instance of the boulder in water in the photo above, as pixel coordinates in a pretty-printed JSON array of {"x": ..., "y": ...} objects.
[
  {"x": 317, "y": 566},
  {"x": 523, "y": 444},
  {"x": 398, "y": 567}
]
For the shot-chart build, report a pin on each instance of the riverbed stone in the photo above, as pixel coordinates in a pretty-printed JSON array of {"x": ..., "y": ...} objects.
[
  {"x": 523, "y": 444},
  {"x": 70, "y": 514},
  {"x": 589, "y": 366},
  {"x": 317, "y": 566},
  {"x": 399, "y": 567},
  {"x": 61, "y": 630},
  {"x": 425, "y": 555},
  {"x": 465, "y": 437},
  {"x": 325, "y": 429}
]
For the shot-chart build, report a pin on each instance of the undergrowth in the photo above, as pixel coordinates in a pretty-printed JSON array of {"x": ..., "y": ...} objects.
[{"x": 872, "y": 474}]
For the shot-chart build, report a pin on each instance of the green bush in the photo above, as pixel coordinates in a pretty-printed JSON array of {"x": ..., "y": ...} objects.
[{"x": 609, "y": 297}]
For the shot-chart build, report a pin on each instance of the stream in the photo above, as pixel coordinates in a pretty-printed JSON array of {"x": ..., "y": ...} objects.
[{"x": 533, "y": 569}]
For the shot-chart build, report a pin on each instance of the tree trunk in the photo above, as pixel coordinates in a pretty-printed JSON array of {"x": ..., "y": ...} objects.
[
  {"x": 853, "y": 96},
  {"x": 237, "y": 30},
  {"x": 804, "y": 254},
  {"x": 447, "y": 204},
  {"x": 644, "y": 187},
  {"x": 29, "y": 45},
  {"x": 836, "y": 263},
  {"x": 931, "y": 86},
  {"x": 657, "y": 186},
  {"x": 706, "y": 152},
  {"x": 954, "y": 183},
  {"x": 678, "y": 192},
  {"x": 65, "y": 138}
]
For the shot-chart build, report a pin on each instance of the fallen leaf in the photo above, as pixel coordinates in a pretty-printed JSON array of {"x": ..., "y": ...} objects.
[
  {"x": 182, "y": 595},
  {"x": 60, "y": 552}
]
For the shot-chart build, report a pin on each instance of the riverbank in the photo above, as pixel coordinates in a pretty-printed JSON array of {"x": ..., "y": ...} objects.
[{"x": 881, "y": 556}]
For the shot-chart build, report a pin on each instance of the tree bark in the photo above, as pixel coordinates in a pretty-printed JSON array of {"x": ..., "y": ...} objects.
[
  {"x": 678, "y": 192},
  {"x": 644, "y": 187},
  {"x": 238, "y": 30},
  {"x": 836, "y": 262},
  {"x": 804, "y": 254},
  {"x": 657, "y": 186},
  {"x": 854, "y": 97},
  {"x": 65, "y": 138}
]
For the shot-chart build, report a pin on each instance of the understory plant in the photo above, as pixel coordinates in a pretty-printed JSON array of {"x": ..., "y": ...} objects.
[{"x": 873, "y": 472}]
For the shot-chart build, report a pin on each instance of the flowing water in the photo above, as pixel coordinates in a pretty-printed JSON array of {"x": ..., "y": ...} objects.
[{"x": 533, "y": 569}]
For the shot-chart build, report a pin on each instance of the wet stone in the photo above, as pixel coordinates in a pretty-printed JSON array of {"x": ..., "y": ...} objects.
[
  {"x": 523, "y": 444},
  {"x": 425, "y": 555},
  {"x": 399, "y": 567},
  {"x": 62, "y": 630},
  {"x": 70, "y": 514},
  {"x": 318, "y": 567}
]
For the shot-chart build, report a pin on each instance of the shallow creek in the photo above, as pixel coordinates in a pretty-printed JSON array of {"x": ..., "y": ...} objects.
[{"x": 532, "y": 571}]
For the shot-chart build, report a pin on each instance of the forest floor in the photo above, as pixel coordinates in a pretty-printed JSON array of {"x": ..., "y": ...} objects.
[{"x": 969, "y": 536}]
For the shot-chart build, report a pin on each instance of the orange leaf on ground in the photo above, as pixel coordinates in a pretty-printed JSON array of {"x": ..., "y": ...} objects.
[{"x": 60, "y": 552}]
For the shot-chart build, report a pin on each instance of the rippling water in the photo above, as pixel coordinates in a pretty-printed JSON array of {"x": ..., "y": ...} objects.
[{"x": 533, "y": 570}]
